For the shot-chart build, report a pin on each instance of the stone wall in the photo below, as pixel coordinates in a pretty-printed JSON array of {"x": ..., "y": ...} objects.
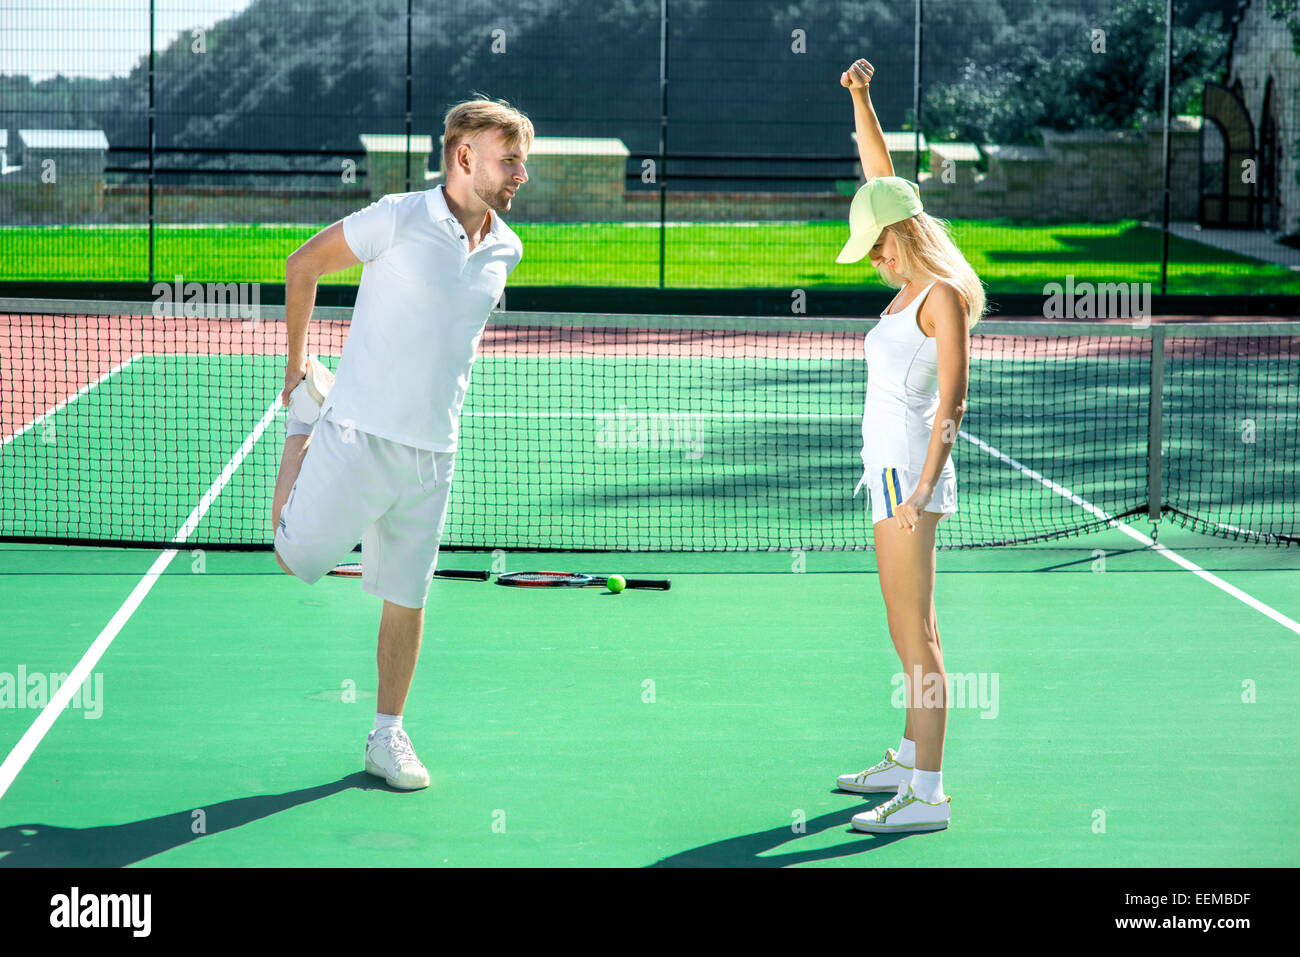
[
  {"x": 229, "y": 204},
  {"x": 55, "y": 176},
  {"x": 643, "y": 206},
  {"x": 1089, "y": 176},
  {"x": 573, "y": 179}
]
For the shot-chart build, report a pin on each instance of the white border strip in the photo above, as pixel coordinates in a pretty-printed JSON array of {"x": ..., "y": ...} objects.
[
  {"x": 629, "y": 414},
  {"x": 28, "y": 742},
  {"x": 791, "y": 323}
]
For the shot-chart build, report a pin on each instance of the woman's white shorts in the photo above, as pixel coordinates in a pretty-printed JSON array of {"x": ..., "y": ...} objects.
[{"x": 891, "y": 487}]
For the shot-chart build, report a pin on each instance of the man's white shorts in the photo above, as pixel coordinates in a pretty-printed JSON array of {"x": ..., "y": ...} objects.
[{"x": 355, "y": 486}]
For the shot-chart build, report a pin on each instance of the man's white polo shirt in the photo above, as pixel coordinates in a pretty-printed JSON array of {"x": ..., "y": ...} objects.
[{"x": 421, "y": 308}]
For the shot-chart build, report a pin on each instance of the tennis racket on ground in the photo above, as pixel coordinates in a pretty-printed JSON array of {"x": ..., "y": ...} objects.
[
  {"x": 570, "y": 579},
  {"x": 353, "y": 570}
]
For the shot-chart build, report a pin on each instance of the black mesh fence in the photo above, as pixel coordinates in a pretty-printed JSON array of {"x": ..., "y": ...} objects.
[{"x": 680, "y": 143}]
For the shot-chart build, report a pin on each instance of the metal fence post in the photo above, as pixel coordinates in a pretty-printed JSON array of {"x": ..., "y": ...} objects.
[
  {"x": 663, "y": 140},
  {"x": 408, "y": 95},
  {"x": 916, "y": 97},
  {"x": 149, "y": 189},
  {"x": 1169, "y": 52}
]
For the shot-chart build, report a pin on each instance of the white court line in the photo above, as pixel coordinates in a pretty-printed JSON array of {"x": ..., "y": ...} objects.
[
  {"x": 72, "y": 398},
  {"x": 27, "y": 744},
  {"x": 1168, "y": 553}
]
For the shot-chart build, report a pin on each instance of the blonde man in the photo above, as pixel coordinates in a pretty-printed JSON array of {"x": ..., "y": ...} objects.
[
  {"x": 918, "y": 359},
  {"x": 369, "y": 452}
]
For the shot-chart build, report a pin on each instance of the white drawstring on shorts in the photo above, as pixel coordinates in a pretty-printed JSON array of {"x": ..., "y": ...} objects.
[
  {"x": 432, "y": 461},
  {"x": 862, "y": 481}
]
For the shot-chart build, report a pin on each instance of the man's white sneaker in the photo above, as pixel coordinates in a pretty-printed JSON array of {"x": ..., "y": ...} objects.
[
  {"x": 306, "y": 399},
  {"x": 885, "y": 776},
  {"x": 905, "y": 812},
  {"x": 389, "y": 755}
]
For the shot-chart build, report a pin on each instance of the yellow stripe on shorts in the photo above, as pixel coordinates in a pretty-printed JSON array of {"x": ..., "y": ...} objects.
[{"x": 893, "y": 494}]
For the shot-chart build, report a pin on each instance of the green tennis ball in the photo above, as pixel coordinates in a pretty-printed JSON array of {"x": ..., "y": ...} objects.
[{"x": 616, "y": 583}]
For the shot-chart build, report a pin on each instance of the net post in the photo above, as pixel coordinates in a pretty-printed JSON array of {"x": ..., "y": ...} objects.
[{"x": 1155, "y": 422}]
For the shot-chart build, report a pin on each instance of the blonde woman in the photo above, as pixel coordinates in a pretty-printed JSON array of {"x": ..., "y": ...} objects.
[{"x": 917, "y": 367}]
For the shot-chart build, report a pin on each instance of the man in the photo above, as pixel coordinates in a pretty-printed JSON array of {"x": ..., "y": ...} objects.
[{"x": 369, "y": 454}]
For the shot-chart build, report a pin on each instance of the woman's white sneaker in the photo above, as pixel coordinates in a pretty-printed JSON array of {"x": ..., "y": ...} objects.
[
  {"x": 389, "y": 755},
  {"x": 905, "y": 812},
  {"x": 885, "y": 776}
]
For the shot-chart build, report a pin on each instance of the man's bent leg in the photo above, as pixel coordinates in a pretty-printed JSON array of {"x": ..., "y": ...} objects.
[
  {"x": 295, "y": 450},
  {"x": 327, "y": 493}
]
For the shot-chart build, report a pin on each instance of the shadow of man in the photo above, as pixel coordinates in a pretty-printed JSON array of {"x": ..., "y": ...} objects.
[{"x": 120, "y": 845}]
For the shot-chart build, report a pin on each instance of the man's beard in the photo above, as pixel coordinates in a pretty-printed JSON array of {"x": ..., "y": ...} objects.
[{"x": 497, "y": 200}]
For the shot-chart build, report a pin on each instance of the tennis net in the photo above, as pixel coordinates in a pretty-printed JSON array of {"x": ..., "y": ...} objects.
[{"x": 658, "y": 433}]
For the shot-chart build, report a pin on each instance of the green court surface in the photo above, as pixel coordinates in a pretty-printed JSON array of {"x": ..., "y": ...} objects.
[
  {"x": 1117, "y": 710},
  {"x": 1110, "y": 707}
]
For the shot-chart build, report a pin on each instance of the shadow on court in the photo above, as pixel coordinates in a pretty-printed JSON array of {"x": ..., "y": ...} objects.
[
  {"x": 745, "y": 850},
  {"x": 120, "y": 845}
]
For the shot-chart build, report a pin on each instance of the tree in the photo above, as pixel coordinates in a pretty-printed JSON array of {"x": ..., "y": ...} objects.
[{"x": 1055, "y": 71}]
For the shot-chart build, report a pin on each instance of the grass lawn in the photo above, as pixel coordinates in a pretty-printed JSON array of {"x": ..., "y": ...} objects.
[{"x": 1010, "y": 256}]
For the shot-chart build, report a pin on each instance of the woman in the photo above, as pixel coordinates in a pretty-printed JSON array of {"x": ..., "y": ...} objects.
[{"x": 917, "y": 367}]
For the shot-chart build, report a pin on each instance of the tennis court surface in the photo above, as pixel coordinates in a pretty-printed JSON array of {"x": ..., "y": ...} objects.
[{"x": 1105, "y": 693}]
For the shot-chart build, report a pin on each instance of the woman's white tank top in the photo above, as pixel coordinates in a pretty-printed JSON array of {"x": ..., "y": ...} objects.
[{"x": 902, "y": 391}]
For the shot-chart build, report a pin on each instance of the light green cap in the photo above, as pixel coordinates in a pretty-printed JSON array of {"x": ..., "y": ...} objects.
[{"x": 878, "y": 203}]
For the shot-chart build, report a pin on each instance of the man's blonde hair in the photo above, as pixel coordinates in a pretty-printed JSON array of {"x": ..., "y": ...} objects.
[{"x": 466, "y": 120}]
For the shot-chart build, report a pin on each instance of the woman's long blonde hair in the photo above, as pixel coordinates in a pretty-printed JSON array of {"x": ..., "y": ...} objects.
[{"x": 925, "y": 247}]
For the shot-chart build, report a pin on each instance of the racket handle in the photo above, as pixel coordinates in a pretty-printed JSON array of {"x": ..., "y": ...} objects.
[
  {"x": 461, "y": 573},
  {"x": 660, "y": 584}
]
